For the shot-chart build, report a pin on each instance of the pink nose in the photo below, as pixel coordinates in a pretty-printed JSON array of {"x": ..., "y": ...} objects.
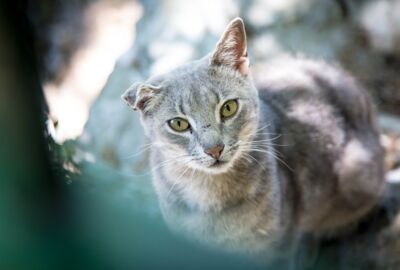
[{"x": 215, "y": 151}]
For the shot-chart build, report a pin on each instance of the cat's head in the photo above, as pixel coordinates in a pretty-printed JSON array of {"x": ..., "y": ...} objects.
[{"x": 199, "y": 113}]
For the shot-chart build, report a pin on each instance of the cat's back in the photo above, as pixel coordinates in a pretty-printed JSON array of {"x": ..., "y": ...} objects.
[
  {"x": 329, "y": 141},
  {"x": 297, "y": 82}
]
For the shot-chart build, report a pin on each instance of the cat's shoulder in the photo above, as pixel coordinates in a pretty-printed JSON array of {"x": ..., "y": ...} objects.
[
  {"x": 288, "y": 80},
  {"x": 287, "y": 71}
]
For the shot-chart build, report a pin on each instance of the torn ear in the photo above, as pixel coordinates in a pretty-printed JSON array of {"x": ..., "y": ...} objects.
[
  {"x": 139, "y": 96},
  {"x": 231, "y": 49}
]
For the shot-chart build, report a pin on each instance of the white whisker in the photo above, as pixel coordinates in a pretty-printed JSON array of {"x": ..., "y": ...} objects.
[
  {"x": 143, "y": 149},
  {"x": 253, "y": 158},
  {"x": 264, "y": 127},
  {"x": 264, "y": 146},
  {"x": 159, "y": 166},
  {"x": 273, "y": 154},
  {"x": 176, "y": 181}
]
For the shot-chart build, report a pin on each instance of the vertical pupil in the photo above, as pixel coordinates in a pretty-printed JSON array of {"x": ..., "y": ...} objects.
[
  {"x": 228, "y": 107},
  {"x": 178, "y": 123}
]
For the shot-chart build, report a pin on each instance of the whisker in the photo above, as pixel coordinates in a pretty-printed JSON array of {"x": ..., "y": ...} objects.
[
  {"x": 270, "y": 133},
  {"x": 264, "y": 127},
  {"x": 253, "y": 158},
  {"x": 144, "y": 149},
  {"x": 160, "y": 166},
  {"x": 273, "y": 154},
  {"x": 168, "y": 161},
  {"x": 263, "y": 144},
  {"x": 246, "y": 158},
  {"x": 193, "y": 172},
  {"x": 270, "y": 151},
  {"x": 177, "y": 180},
  {"x": 271, "y": 139}
]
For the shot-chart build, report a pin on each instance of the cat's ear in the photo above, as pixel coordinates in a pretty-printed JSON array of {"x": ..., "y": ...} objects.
[
  {"x": 140, "y": 96},
  {"x": 231, "y": 49}
]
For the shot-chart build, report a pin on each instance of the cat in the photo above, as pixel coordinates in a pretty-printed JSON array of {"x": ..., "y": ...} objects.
[{"x": 247, "y": 169}]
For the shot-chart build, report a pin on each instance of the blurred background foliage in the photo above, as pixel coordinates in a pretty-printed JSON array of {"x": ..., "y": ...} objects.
[{"x": 75, "y": 186}]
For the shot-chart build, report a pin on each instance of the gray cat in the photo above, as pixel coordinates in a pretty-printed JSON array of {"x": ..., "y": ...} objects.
[{"x": 248, "y": 169}]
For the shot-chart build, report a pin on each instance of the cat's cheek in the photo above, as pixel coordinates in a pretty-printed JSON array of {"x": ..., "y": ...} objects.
[{"x": 145, "y": 126}]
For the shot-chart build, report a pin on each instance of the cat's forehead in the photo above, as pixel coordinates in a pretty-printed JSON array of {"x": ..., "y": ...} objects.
[
  {"x": 193, "y": 94},
  {"x": 190, "y": 93},
  {"x": 197, "y": 80}
]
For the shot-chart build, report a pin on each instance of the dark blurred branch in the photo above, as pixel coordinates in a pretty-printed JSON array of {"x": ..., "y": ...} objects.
[
  {"x": 31, "y": 199},
  {"x": 59, "y": 30}
]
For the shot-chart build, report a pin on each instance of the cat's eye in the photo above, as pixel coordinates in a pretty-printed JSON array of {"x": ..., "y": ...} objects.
[
  {"x": 179, "y": 124},
  {"x": 229, "y": 108}
]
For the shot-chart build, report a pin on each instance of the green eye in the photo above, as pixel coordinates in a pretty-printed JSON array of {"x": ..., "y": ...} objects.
[
  {"x": 179, "y": 124},
  {"x": 229, "y": 108}
]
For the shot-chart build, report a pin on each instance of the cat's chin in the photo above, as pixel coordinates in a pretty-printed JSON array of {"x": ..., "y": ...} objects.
[{"x": 217, "y": 167}]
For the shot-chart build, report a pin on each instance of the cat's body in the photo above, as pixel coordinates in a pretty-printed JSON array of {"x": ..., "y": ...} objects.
[
  {"x": 301, "y": 154},
  {"x": 330, "y": 142}
]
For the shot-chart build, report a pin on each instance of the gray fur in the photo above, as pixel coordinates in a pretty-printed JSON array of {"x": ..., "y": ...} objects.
[{"x": 309, "y": 158}]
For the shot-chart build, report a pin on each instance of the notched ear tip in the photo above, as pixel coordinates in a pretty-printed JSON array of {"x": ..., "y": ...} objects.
[
  {"x": 129, "y": 96},
  {"x": 129, "y": 100},
  {"x": 140, "y": 95},
  {"x": 125, "y": 97}
]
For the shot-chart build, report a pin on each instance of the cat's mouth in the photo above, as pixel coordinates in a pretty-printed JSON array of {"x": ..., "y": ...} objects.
[{"x": 218, "y": 164}]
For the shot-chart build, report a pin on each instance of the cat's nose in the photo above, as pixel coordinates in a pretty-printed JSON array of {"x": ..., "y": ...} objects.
[{"x": 215, "y": 151}]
